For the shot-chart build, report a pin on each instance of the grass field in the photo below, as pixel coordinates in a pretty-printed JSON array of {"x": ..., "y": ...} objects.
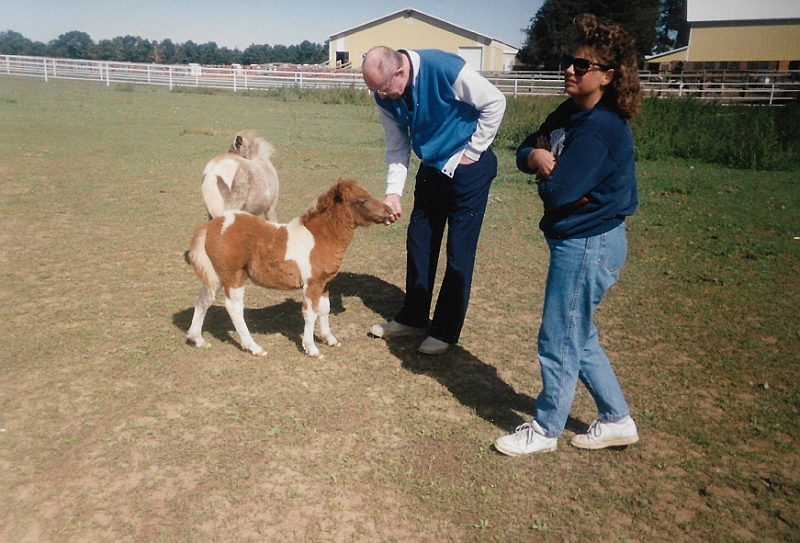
[{"x": 113, "y": 428}]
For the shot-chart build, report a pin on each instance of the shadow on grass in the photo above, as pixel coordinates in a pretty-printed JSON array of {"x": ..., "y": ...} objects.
[
  {"x": 286, "y": 318},
  {"x": 471, "y": 381}
]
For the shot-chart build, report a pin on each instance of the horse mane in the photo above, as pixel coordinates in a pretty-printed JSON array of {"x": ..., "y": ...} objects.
[{"x": 324, "y": 208}]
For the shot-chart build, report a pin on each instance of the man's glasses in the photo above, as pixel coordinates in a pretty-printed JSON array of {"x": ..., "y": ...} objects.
[
  {"x": 582, "y": 65},
  {"x": 387, "y": 87}
]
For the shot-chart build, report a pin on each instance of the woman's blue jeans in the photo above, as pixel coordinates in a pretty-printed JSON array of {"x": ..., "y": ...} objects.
[{"x": 581, "y": 271}]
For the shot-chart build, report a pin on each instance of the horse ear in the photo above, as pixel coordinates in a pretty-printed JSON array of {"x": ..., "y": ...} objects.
[
  {"x": 336, "y": 191},
  {"x": 239, "y": 141}
]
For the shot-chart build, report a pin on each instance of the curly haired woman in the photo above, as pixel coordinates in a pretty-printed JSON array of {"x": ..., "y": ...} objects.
[{"x": 583, "y": 159}]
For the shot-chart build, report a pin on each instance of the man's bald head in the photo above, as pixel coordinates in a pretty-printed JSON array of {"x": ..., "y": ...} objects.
[{"x": 379, "y": 65}]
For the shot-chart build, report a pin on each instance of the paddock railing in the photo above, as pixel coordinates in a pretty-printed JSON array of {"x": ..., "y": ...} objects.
[{"x": 771, "y": 88}]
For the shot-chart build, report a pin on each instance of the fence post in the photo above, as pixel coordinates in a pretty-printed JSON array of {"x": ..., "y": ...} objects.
[
  {"x": 45, "y": 70},
  {"x": 108, "y": 74},
  {"x": 170, "y": 77},
  {"x": 234, "y": 80}
]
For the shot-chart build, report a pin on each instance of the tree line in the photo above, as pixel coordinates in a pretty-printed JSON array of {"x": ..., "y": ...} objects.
[{"x": 79, "y": 45}]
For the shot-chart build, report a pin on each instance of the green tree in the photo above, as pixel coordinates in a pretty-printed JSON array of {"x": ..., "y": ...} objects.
[
  {"x": 188, "y": 52},
  {"x": 73, "y": 44},
  {"x": 673, "y": 29},
  {"x": 109, "y": 50},
  {"x": 135, "y": 49},
  {"x": 164, "y": 52},
  {"x": 309, "y": 53},
  {"x": 257, "y": 54},
  {"x": 14, "y": 43},
  {"x": 550, "y": 35}
]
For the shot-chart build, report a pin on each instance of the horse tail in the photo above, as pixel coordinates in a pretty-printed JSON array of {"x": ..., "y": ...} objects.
[
  {"x": 199, "y": 260},
  {"x": 214, "y": 188}
]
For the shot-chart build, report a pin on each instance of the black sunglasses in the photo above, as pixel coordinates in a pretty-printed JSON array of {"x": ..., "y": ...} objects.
[{"x": 582, "y": 65}]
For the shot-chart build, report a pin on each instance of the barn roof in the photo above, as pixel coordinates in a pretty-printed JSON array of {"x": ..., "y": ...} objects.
[{"x": 409, "y": 12}]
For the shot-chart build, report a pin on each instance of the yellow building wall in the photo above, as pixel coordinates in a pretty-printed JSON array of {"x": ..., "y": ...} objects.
[
  {"x": 412, "y": 33},
  {"x": 745, "y": 43}
]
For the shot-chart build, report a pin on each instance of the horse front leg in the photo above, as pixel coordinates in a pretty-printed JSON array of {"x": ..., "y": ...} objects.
[
  {"x": 234, "y": 303},
  {"x": 310, "y": 304},
  {"x": 324, "y": 324},
  {"x": 205, "y": 299}
]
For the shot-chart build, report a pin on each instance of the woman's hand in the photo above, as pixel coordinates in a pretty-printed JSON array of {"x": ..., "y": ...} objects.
[{"x": 541, "y": 160}]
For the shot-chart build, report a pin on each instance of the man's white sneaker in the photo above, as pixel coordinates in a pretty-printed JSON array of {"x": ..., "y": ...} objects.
[
  {"x": 431, "y": 345},
  {"x": 395, "y": 329},
  {"x": 528, "y": 438},
  {"x": 607, "y": 434}
]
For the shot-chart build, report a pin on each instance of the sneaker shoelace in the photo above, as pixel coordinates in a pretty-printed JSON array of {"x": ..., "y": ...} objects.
[
  {"x": 527, "y": 430},
  {"x": 594, "y": 429}
]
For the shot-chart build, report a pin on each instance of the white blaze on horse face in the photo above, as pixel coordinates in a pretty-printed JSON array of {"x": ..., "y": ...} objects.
[{"x": 298, "y": 247}]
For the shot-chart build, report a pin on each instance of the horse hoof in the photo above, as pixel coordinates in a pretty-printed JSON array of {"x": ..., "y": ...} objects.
[
  {"x": 260, "y": 352},
  {"x": 200, "y": 343}
]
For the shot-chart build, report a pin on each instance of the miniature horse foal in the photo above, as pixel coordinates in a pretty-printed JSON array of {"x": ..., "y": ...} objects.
[{"x": 303, "y": 254}]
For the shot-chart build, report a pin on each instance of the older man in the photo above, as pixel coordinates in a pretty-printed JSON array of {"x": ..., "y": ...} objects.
[{"x": 434, "y": 103}]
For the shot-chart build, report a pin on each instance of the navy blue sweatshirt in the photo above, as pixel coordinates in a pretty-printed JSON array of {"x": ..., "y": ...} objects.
[{"x": 593, "y": 185}]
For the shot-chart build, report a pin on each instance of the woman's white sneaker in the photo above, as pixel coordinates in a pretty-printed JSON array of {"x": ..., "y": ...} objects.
[
  {"x": 528, "y": 438},
  {"x": 607, "y": 434}
]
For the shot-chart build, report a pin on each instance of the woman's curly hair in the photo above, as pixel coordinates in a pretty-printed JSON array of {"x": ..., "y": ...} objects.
[{"x": 612, "y": 46}]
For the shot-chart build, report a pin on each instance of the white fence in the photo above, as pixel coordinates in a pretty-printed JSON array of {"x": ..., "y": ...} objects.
[
  {"x": 765, "y": 88},
  {"x": 192, "y": 75}
]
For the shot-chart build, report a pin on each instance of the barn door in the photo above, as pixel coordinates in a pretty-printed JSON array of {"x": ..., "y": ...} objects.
[{"x": 473, "y": 56}]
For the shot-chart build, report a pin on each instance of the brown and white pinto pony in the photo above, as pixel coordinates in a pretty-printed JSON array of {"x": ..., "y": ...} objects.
[
  {"x": 243, "y": 179},
  {"x": 303, "y": 254}
]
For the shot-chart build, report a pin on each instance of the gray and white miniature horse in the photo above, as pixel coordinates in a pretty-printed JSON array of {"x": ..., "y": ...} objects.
[
  {"x": 304, "y": 254},
  {"x": 243, "y": 179}
]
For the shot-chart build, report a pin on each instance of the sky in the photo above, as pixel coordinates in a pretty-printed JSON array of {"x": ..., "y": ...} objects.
[{"x": 241, "y": 23}]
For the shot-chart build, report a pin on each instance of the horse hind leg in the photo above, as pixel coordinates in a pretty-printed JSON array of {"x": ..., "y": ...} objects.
[
  {"x": 234, "y": 303},
  {"x": 205, "y": 299}
]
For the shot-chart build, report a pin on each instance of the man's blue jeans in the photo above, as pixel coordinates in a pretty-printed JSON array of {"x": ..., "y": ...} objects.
[
  {"x": 459, "y": 203},
  {"x": 581, "y": 271}
]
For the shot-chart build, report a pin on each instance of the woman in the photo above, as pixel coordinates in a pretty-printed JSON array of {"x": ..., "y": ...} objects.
[{"x": 583, "y": 158}]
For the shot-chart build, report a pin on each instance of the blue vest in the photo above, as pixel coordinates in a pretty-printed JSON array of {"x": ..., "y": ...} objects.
[{"x": 439, "y": 124}]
